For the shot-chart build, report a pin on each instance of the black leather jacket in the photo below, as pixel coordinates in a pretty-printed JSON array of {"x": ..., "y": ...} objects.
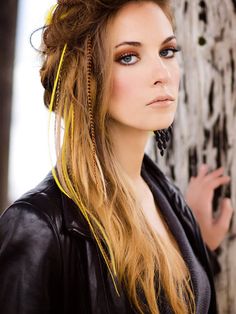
[{"x": 49, "y": 262}]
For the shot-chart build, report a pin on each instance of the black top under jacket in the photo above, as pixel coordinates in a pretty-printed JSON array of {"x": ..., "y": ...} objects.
[{"x": 51, "y": 264}]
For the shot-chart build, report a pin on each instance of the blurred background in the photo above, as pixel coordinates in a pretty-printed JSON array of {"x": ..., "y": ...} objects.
[
  {"x": 204, "y": 128},
  {"x": 27, "y": 159}
]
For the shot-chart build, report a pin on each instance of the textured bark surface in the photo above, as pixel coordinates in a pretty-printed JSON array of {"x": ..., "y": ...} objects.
[
  {"x": 8, "y": 10},
  {"x": 205, "y": 125}
]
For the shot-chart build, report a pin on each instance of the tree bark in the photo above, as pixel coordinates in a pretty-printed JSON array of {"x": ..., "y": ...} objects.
[
  {"x": 8, "y": 12},
  {"x": 205, "y": 125}
]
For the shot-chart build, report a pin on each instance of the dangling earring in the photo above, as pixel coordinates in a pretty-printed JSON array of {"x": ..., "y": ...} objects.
[{"x": 162, "y": 137}]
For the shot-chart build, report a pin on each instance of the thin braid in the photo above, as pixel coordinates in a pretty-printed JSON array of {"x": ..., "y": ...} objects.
[
  {"x": 89, "y": 101},
  {"x": 57, "y": 93}
]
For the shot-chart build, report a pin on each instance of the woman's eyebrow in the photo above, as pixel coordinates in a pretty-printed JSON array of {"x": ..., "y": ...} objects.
[
  {"x": 168, "y": 39},
  {"x": 130, "y": 43},
  {"x": 138, "y": 44}
]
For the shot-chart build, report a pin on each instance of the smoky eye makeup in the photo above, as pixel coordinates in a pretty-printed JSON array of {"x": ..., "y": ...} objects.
[
  {"x": 127, "y": 58},
  {"x": 171, "y": 47},
  {"x": 169, "y": 52},
  {"x": 130, "y": 56}
]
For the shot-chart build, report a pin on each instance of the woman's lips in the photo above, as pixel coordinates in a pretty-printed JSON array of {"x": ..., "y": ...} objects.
[{"x": 161, "y": 101}]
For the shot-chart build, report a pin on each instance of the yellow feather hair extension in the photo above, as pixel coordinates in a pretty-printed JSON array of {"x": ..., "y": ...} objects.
[{"x": 48, "y": 18}]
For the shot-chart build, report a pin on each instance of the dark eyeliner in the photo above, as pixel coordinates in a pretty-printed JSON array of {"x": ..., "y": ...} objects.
[
  {"x": 123, "y": 55},
  {"x": 174, "y": 50}
]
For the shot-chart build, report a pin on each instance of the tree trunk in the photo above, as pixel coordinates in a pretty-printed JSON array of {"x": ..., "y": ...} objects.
[
  {"x": 8, "y": 11},
  {"x": 205, "y": 125}
]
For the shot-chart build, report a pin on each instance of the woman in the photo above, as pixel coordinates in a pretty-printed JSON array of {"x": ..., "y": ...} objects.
[{"x": 106, "y": 232}]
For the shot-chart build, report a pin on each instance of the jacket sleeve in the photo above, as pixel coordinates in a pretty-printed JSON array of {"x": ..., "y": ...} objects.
[{"x": 29, "y": 262}]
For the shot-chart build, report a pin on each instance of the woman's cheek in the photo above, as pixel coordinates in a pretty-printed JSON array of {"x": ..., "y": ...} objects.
[
  {"x": 176, "y": 75},
  {"x": 121, "y": 86}
]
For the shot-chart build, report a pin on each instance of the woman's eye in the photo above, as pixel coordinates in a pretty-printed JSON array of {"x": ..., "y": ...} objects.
[
  {"x": 128, "y": 59},
  {"x": 169, "y": 53}
]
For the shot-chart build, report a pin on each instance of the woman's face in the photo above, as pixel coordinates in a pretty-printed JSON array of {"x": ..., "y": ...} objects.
[{"x": 145, "y": 71}]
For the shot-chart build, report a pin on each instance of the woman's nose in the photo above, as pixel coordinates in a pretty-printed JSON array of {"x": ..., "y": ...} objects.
[{"x": 160, "y": 72}]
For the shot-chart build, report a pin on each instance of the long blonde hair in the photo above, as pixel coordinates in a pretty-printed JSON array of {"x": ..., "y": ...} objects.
[{"x": 139, "y": 260}]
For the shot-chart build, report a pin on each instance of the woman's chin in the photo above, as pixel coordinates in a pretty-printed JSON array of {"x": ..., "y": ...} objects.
[{"x": 163, "y": 125}]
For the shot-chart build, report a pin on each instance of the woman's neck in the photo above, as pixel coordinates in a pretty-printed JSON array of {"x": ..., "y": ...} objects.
[{"x": 129, "y": 147}]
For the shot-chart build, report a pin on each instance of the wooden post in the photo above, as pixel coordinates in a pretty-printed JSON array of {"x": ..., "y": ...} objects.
[
  {"x": 8, "y": 11},
  {"x": 205, "y": 125}
]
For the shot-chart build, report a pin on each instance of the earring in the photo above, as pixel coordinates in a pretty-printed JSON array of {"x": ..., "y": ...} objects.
[{"x": 162, "y": 137}]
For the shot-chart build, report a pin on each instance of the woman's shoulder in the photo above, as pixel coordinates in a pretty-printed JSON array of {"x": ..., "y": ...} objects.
[
  {"x": 45, "y": 207},
  {"x": 30, "y": 250},
  {"x": 42, "y": 203},
  {"x": 33, "y": 216}
]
